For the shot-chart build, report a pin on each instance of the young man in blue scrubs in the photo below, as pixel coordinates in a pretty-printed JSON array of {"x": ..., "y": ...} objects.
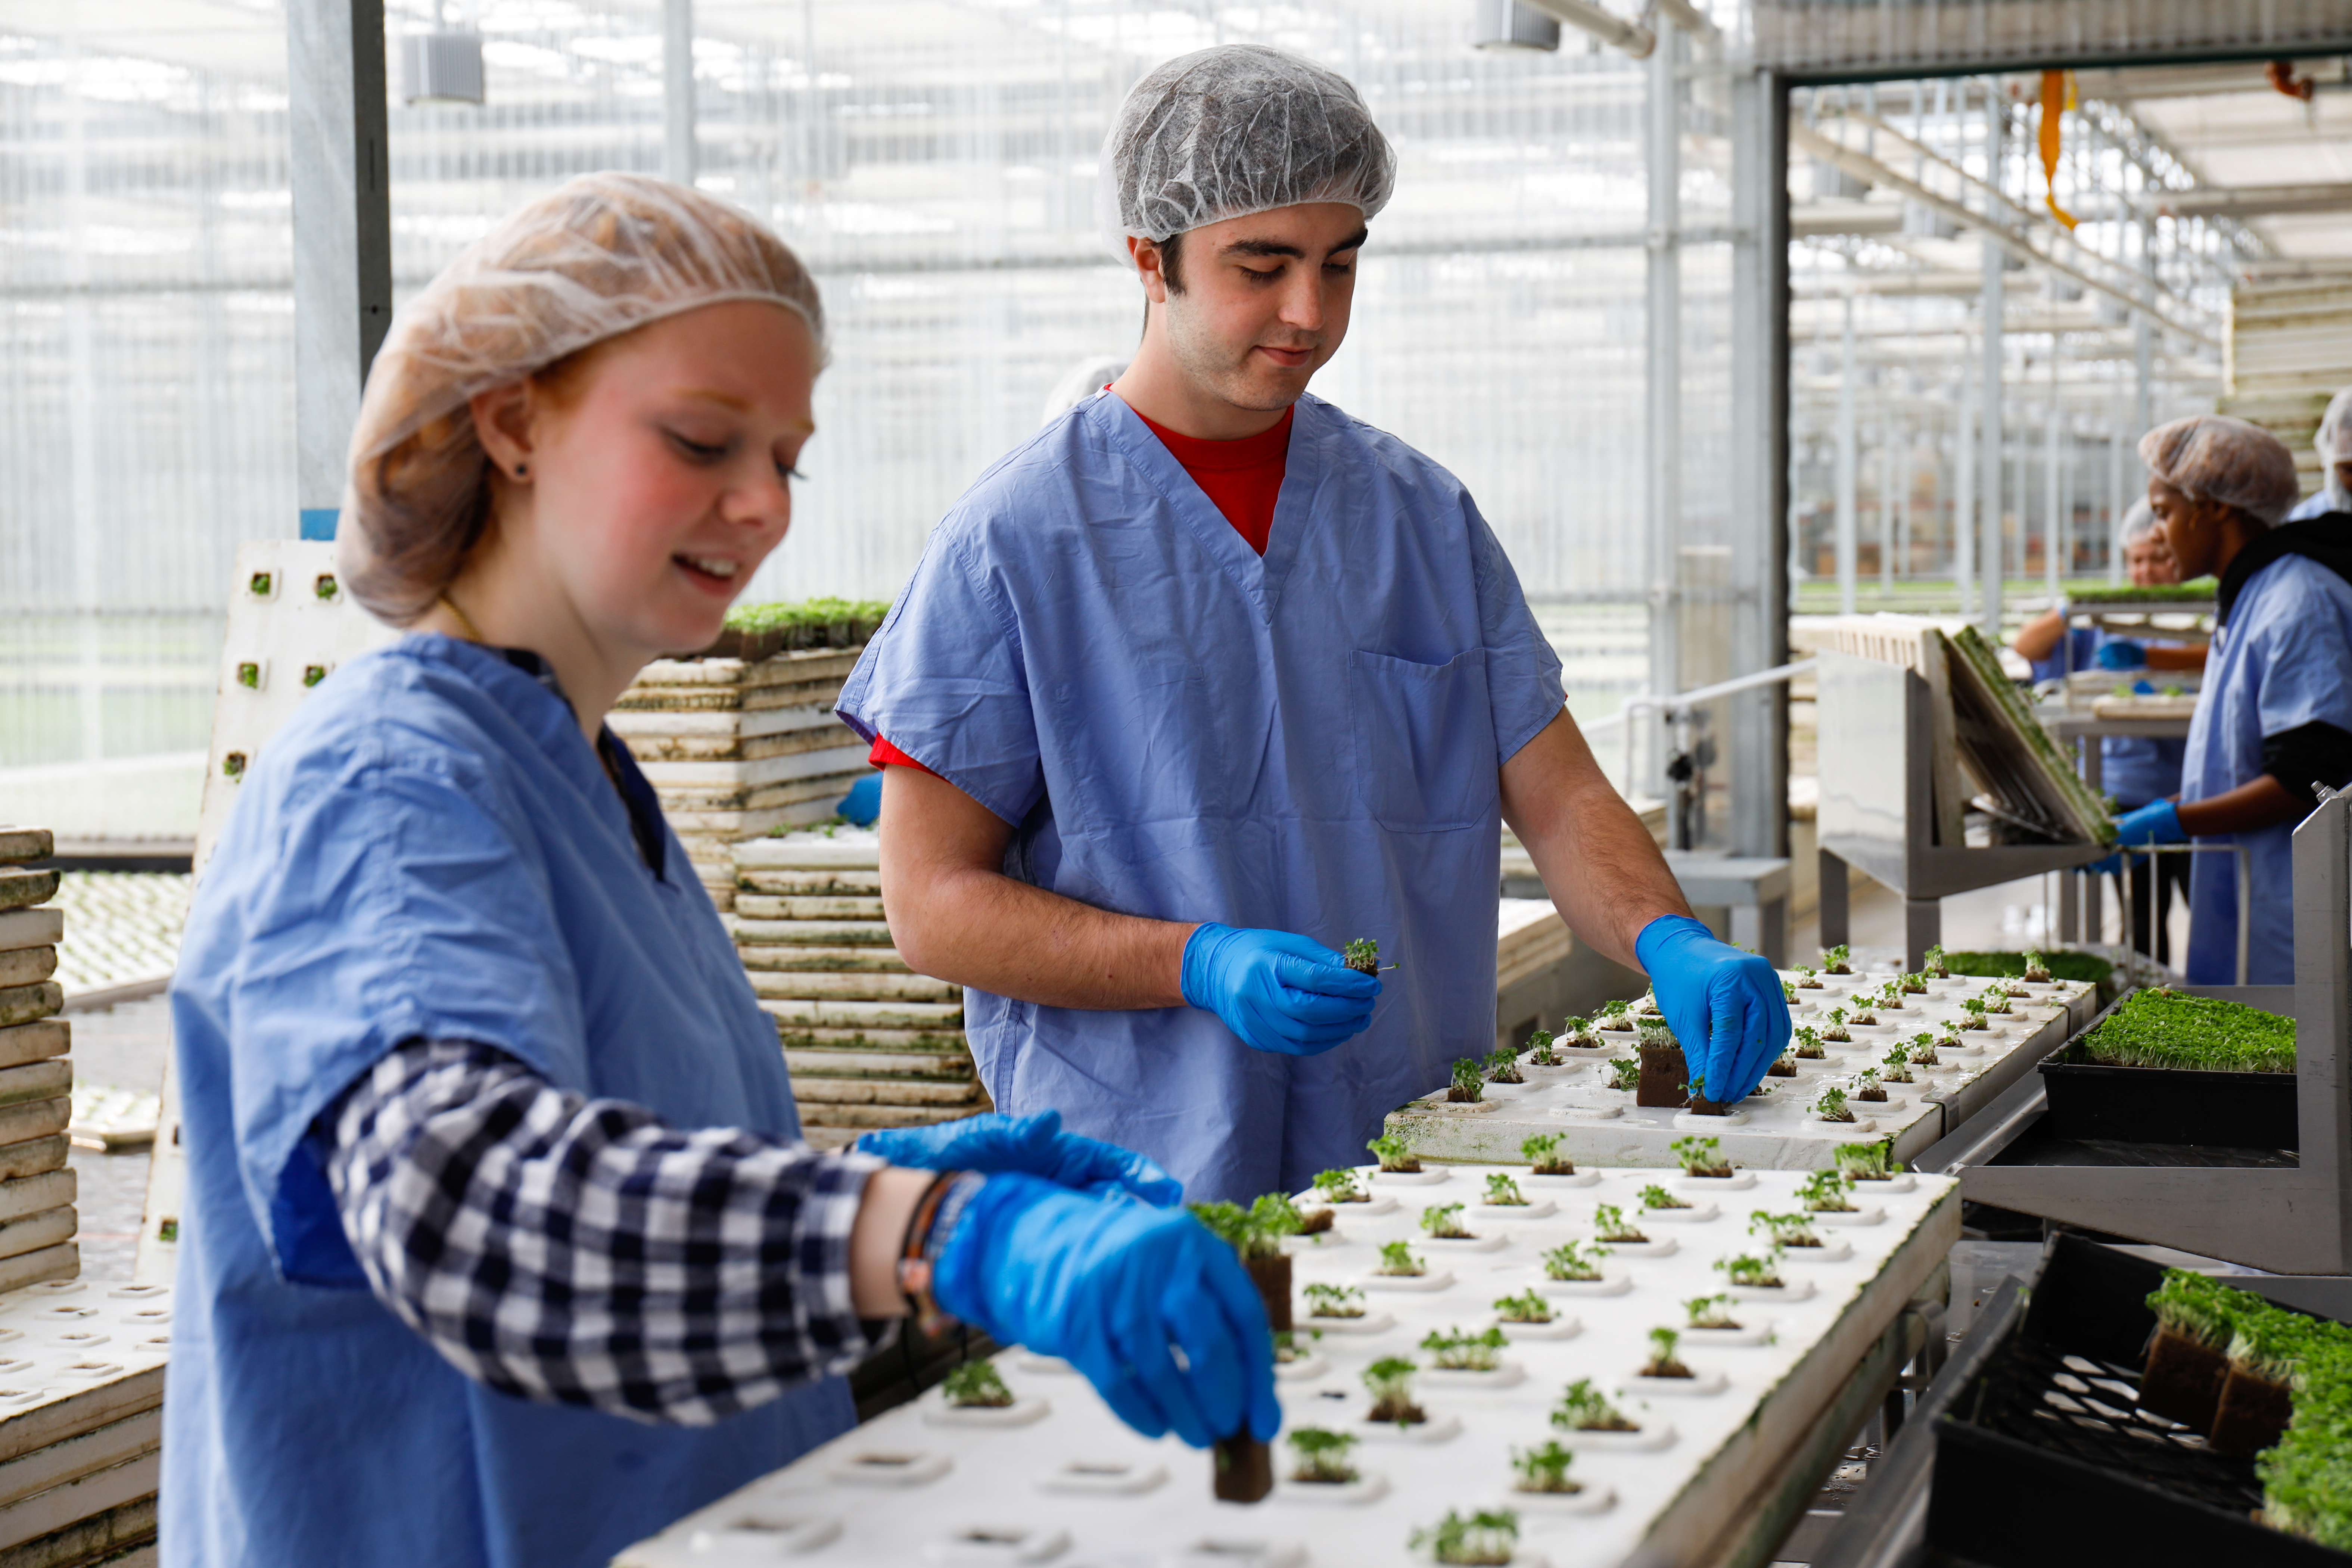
[{"x": 1208, "y": 679}]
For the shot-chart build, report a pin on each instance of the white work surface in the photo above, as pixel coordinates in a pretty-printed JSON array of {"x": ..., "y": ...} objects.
[
  {"x": 1604, "y": 1126},
  {"x": 1725, "y": 1453}
]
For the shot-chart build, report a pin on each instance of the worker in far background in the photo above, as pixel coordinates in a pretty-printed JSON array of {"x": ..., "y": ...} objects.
[
  {"x": 2275, "y": 718},
  {"x": 2132, "y": 769},
  {"x": 2334, "y": 446},
  {"x": 1208, "y": 679}
]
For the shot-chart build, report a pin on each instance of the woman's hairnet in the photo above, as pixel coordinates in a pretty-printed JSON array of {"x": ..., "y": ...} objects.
[
  {"x": 2139, "y": 522},
  {"x": 596, "y": 256},
  {"x": 2334, "y": 442},
  {"x": 1239, "y": 129},
  {"x": 2214, "y": 458}
]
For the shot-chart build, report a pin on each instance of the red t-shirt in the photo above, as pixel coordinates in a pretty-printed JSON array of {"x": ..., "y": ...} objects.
[{"x": 1241, "y": 478}]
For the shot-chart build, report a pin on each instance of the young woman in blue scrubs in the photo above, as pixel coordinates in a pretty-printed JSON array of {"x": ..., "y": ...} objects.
[
  {"x": 501, "y": 1246},
  {"x": 2275, "y": 716}
]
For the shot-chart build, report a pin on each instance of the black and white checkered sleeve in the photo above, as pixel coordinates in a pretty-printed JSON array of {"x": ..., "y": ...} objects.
[{"x": 578, "y": 1250}]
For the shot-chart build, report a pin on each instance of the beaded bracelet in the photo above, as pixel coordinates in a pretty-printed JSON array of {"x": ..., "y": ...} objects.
[{"x": 929, "y": 1230}]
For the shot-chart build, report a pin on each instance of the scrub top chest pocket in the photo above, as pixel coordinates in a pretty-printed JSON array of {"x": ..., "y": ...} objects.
[{"x": 1425, "y": 749}]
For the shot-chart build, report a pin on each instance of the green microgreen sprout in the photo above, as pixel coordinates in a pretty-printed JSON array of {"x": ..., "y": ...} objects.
[
  {"x": 1915, "y": 984},
  {"x": 1392, "y": 1154},
  {"x": 1397, "y": 1261},
  {"x": 1783, "y": 1229},
  {"x": 1752, "y": 1273},
  {"x": 1255, "y": 1232},
  {"x": 1545, "y": 1469},
  {"x": 1487, "y": 1537},
  {"x": 975, "y": 1384},
  {"x": 1542, "y": 1153},
  {"x": 1338, "y": 1186},
  {"x": 1788, "y": 992},
  {"x": 1578, "y": 1032},
  {"x": 1827, "y": 1192},
  {"x": 1469, "y": 1086},
  {"x": 259, "y": 584},
  {"x": 1710, "y": 1312},
  {"x": 1865, "y": 1085},
  {"x": 1663, "y": 1361},
  {"x": 2036, "y": 972},
  {"x": 1809, "y": 1044},
  {"x": 1503, "y": 1065},
  {"x": 1838, "y": 959},
  {"x": 1976, "y": 1019},
  {"x": 313, "y": 673},
  {"x": 1785, "y": 1063},
  {"x": 1624, "y": 1072},
  {"x": 1996, "y": 998},
  {"x": 1933, "y": 964},
  {"x": 1872, "y": 1161},
  {"x": 1503, "y": 1193},
  {"x": 1608, "y": 1224},
  {"x": 1443, "y": 1222},
  {"x": 1572, "y": 1260},
  {"x": 1451, "y": 1350},
  {"x": 1333, "y": 1300},
  {"x": 1363, "y": 956},
  {"x": 1830, "y": 1105},
  {"x": 1540, "y": 1050},
  {"x": 1923, "y": 1051},
  {"x": 1897, "y": 1062},
  {"x": 323, "y": 585},
  {"x": 1389, "y": 1379},
  {"x": 1836, "y": 1029},
  {"x": 1698, "y": 1156},
  {"x": 233, "y": 765},
  {"x": 2161, "y": 1027},
  {"x": 1890, "y": 996},
  {"x": 248, "y": 675},
  {"x": 1808, "y": 978},
  {"x": 1322, "y": 1457},
  {"x": 1527, "y": 1307},
  {"x": 1862, "y": 1013},
  {"x": 1614, "y": 1017},
  {"x": 1656, "y": 1198},
  {"x": 1585, "y": 1408}
]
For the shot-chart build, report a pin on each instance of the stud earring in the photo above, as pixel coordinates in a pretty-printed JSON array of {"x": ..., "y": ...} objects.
[{"x": 522, "y": 469}]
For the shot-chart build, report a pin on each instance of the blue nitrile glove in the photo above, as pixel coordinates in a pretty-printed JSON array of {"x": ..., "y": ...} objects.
[
  {"x": 2157, "y": 822},
  {"x": 1116, "y": 1290},
  {"x": 863, "y": 803},
  {"x": 1279, "y": 991},
  {"x": 1726, "y": 1007},
  {"x": 1034, "y": 1145},
  {"x": 2122, "y": 652}
]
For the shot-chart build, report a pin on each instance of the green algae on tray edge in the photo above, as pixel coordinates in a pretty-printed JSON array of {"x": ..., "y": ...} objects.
[{"x": 2171, "y": 1029}]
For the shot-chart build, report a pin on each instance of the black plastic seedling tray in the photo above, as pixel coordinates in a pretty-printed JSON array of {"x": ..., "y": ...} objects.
[
  {"x": 2045, "y": 1459},
  {"x": 2092, "y": 1103}
]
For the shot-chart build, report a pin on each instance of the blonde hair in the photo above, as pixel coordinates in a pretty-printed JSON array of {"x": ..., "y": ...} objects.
[{"x": 599, "y": 256}]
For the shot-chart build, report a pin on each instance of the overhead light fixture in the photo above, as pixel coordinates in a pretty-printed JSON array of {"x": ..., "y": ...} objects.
[
  {"x": 1512, "y": 24},
  {"x": 444, "y": 65}
]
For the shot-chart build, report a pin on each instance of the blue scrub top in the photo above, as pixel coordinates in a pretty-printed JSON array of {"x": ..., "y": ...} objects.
[
  {"x": 2283, "y": 659},
  {"x": 1177, "y": 729},
  {"x": 430, "y": 847}
]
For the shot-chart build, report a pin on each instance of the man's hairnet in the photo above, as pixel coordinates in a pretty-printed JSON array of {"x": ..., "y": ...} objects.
[
  {"x": 2334, "y": 442},
  {"x": 2212, "y": 457},
  {"x": 1239, "y": 129},
  {"x": 2139, "y": 522},
  {"x": 596, "y": 256}
]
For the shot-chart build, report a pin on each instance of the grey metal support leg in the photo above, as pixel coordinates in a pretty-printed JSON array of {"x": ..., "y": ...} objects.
[
  {"x": 1923, "y": 928},
  {"x": 1834, "y": 923}
]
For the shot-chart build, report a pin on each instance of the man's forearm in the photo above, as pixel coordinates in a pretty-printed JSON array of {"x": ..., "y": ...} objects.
[
  {"x": 955, "y": 917},
  {"x": 1598, "y": 863}
]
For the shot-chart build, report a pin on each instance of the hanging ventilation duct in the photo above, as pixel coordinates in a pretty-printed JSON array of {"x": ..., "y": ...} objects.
[
  {"x": 442, "y": 67},
  {"x": 1512, "y": 24}
]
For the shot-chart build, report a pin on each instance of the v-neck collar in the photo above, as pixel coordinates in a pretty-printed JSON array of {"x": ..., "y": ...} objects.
[{"x": 1258, "y": 577}]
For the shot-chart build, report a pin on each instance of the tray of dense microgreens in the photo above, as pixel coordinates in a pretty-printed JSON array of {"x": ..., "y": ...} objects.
[
  {"x": 2166, "y": 1067},
  {"x": 763, "y": 630},
  {"x": 2060, "y": 964},
  {"x": 2197, "y": 591},
  {"x": 2135, "y": 1414}
]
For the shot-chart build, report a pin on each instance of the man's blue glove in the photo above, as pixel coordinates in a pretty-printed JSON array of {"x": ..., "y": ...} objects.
[
  {"x": 1116, "y": 1290},
  {"x": 1279, "y": 991},
  {"x": 1034, "y": 1145},
  {"x": 863, "y": 803},
  {"x": 2157, "y": 822},
  {"x": 1726, "y": 1007},
  {"x": 2122, "y": 652}
]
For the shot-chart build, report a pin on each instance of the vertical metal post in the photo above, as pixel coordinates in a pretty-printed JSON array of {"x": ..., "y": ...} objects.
[
  {"x": 342, "y": 234},
  {"x": 1964, "y": 489},
  {"x": 2323, "y": 1003},
  {"x": 1758, "y": 721},
  {"x": 2117, "y": 504},
  {"x": 2054, "y": 534},
  {"x": 1988, "y": 480},
  {"x": 1665, "y": 423},
  {"x": 1847, "y": 523},
  {"x": 677, "y": 91},
  {"x": 1885, "y": 505}
]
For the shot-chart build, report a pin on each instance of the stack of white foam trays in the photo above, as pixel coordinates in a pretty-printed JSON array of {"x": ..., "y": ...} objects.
[
  {"x": 1778, "y": 1131},
  {"x": 735, "y": 748},
  {"x": 81, "y": 1422},
  {"x": 1056, "y": 1477},
  {"x": 870, "y": 1042},
  {"x": 37, "y": 1190}
]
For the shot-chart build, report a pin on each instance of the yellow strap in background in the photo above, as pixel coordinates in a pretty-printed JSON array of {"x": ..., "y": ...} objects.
[{"x": 2057, "y": 96}]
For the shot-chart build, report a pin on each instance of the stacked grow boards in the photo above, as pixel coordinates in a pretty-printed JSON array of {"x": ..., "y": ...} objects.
[
  {"x": 81, "y": 1423},
  {"x": 1056, "y": 1477},
  {"x": 870, "y": 1043},
  {"x": 737, "y": 747},
  {"x": 37, "y": 1190}
]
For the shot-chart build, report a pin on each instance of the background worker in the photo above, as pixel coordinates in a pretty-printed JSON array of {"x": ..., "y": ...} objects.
[
  {"x": 1207, "y": 678},
  {"x": 2275, "y": 716},
  {"x": 2332, "y": 445},
  {"x": 2132, "y": 769},
  {"x": 501, "y": 1246}
]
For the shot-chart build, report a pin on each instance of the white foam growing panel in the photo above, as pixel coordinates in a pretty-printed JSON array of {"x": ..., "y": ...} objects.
[
  {"x": 1075, "y": 1487},
  {"x": 1775, "y": 1131}
]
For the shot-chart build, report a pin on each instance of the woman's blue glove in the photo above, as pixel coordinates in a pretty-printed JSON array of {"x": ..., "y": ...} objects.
[
  {"x": 863, "y": 803},
  {"x": 1279, "y": 991},
  {"x": 1116, "y": 1290},
  {"x": 2157, "y": 822},
  {"x": 1034, "y": 1145},
  {"x": 2122, "y": 652},
  {"x": 1726, "y": 1007}
]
